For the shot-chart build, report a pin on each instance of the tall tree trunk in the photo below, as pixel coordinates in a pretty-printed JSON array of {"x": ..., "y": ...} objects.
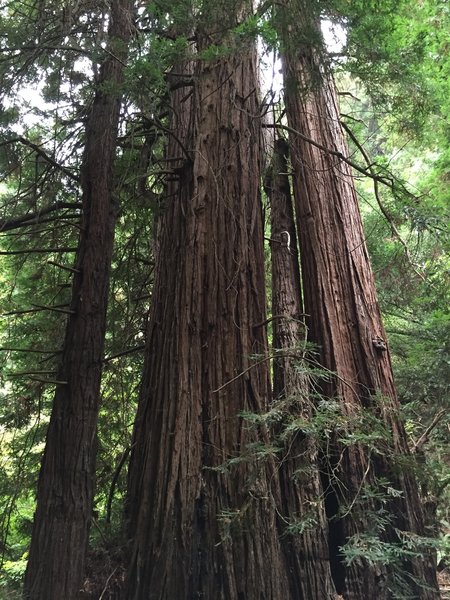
[
  {"x": 303, "y": 518},
  {"x": 198, "y": 531},
  {"x": 66, "y": 482},
  {"x": 344, "y": 320}
]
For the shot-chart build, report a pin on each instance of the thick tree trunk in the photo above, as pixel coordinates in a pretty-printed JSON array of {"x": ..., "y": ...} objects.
[
  {"x": 198, "y": 531},
  {"x": 344, "y": 320},
  {"x": 303, "y": 519},
  {"x": 66, "y": 482}
]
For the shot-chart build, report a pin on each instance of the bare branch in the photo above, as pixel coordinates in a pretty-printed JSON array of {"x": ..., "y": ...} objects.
[
  {"x": 117, "y": 471},
  {"x": 37, "y": 148},
  {"x": 31, "y": 350},
  {"x": 418, "y": 445},
  {"x": 274, "y": 317},
  {"x": 23, "y": 373},
  {"x": 376, "y": 190},
  {"x": 34, "y": 218},
  {"x": 30, "y": 310},
  {"x": 64, "y": 267},
  {"x": 124, "y": 353},
  {"x": 54, "y": 309},
  {"x": 49, "y": 381},
  {"x": 389, "y": 181},
  {"x": 37, "y": 251}
]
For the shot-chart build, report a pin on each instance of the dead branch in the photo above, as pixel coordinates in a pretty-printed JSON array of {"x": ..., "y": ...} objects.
[
  {"x": 64, "y": 267},
  {"x": 384, "y": 212},
  {"x": 33, "y": 218},
  {"x": 418, "y": 445},
  {"x": 124, "y": 353},
  {"x": 31, "y": 350},
  {"x": 36, "y": 251},
  {"x": 37, "y": 148},
  {"x": 54, "y": 308}
]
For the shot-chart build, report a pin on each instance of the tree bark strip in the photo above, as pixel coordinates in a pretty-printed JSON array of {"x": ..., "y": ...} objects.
[
  {"x": 66, "y": 482},
  {"x": 302, "y": 498},
  {"x": 345, "y": 321}
]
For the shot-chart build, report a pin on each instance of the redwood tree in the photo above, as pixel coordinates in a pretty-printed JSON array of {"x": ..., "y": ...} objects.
[
  {"x": 344, "y": 320},
  {"x": 304, "y": 525},
  {"x": 66, "y": 482},
  {"x": 201, "y": 505}
]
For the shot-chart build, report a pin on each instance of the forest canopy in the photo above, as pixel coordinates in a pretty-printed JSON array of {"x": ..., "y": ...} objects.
[{"x": 224, "y": 333}]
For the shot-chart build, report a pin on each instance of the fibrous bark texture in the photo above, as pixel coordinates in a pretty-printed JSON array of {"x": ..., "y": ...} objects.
[
  {"x": 200, "y": 526},
  {"x": 66, "y": 482},
  {"x": 344, "y": 320},
  {"x": 303, "y": 519}
]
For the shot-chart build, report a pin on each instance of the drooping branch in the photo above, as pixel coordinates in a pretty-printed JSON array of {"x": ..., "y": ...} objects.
[
  {"x": 381, "y": 206},
  {"x": 388, "y": 181},
  {"x": 38, "y": 149}
]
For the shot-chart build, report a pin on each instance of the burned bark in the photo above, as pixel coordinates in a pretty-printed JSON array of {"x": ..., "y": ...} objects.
[
  {"x": 345, "y": 321},
  {"x": 66, "y": 482}
]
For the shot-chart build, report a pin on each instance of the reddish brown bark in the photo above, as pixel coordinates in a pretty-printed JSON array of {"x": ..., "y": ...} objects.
[
  {"x": 199, "y": 532},
  {"x": 66, "y": 482},
  {"x": 345, "y": 321},
  {"x": 302, "y": 498}
]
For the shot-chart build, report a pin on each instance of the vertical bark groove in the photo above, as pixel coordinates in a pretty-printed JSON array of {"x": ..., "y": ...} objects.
[{"x": 302, "y": 497}]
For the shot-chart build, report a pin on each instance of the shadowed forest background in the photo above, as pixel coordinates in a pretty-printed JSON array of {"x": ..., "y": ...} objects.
[{"x": 224, "y": 333}]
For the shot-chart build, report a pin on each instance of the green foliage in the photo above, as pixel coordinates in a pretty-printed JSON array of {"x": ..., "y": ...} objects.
[
  {"x": 396, "y": 61},
  {"x": 371, "y": 503},
  {"x": 13, "y": 572},
  {"x": 399, "y": 50},
  {"x": 371, "y": 550},
  {"x": 300, "y": 525}
]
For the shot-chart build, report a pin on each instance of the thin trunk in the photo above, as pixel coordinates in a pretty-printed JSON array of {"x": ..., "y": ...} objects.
[
  {"x": 303, "y": 519},
  {"x": 199, "y": 531},
  {"x": 344, "y": 320},
  {"x": 66, "y": 482}
]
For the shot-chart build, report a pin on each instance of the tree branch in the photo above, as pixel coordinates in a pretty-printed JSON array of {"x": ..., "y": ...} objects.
[
  {"x": 34, "y": 218},
  {"x": 64, "y": 267},
  {"x": 32, "y": 350},
  {"x": 36, "y": 251},
  {"x": 31, "y": 310},
  {"x": 54, "y": 309},
  {"x": 42, "y": 154},
  {"x": 23, "y": 373},
  {"x": 50, "y": 381},
  {"x": 368, "y": 173},
  {"x": 115, "y": 478},
  {"x": 425, "y": 435},
  {"x": 376, "y": 191},
  {"x": 124, "y": 353},
  {"x": 274, "y": 317}
]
